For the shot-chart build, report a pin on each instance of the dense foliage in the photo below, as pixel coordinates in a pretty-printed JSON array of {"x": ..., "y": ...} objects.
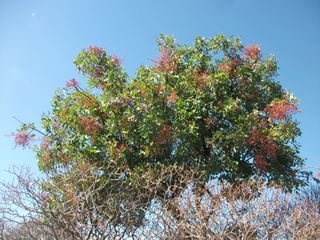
[{"x": 213, "y": 106}]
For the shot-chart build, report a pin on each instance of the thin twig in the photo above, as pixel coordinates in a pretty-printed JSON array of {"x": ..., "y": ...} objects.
[{"x": 33, "y": 128}]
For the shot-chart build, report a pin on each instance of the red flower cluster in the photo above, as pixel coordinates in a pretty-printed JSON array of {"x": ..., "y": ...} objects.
[
  {"x": 96, "y": 50},
  {"x": 116, "y": 59},
  {"x": 90, "y": 126},
  {"x": 22, "y": 139},
  {"x": 266, "y": 147},
  {"x": 230, "y": 66},
  {"x": 201, "y": 79},
  {"x": 252, "y": 52},
  {"x": 86, "y": 101},
  {"x": 172, "y": 98},
  {"x": 260, "y": 162},
  {"x": 160, "y": 89},
  {"x": 98, "y": 71},
  {"x": 225, "y": 67},
  {"x": 281, "y": 110},
  {"x": 72, "y": 83},
  {"x": 165, "y": 61},
  {"x": 45, "y": 144},
  {"x": 164, "y": 58}
]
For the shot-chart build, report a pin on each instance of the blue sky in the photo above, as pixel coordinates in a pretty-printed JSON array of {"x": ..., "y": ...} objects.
[{"x": 39, "y": 40}]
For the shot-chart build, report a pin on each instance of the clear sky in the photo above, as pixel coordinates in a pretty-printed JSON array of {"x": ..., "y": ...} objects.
[{"x": 39, "y": 40}]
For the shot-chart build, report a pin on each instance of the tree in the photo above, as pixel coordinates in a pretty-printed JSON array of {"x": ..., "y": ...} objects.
[{"x": 213, "y": 106}]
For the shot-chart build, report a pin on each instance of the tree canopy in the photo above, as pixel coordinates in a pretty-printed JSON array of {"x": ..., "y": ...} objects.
[
  {"x": 214, "y": 105},
  {"x": 212, "y": 108}
]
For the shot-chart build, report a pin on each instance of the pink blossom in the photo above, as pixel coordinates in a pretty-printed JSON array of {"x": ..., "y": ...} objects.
[
  {"x": 90, "y": 125},
  {"x": 72, "y": 83},
  {"x": 230, "y": 66},
  {"x": 266, "y": 146},
  {"x": 96, "y": 50},
  {"x": 45, "y": 144},
  {"x": 22, "y": 139},
  {"x": 318, "y": 175},
  {"x": 225, "y": 67},
  {"x": 252, "y": 52},
  {"x": 116, "y": 59},
  {"x": 164, "y": 58},
  {"x": 281, "y": 110},
  {"x": 99, "y": 70}
]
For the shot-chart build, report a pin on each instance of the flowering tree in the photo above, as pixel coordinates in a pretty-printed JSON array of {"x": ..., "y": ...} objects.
[{"x": 213, "y": 106}]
